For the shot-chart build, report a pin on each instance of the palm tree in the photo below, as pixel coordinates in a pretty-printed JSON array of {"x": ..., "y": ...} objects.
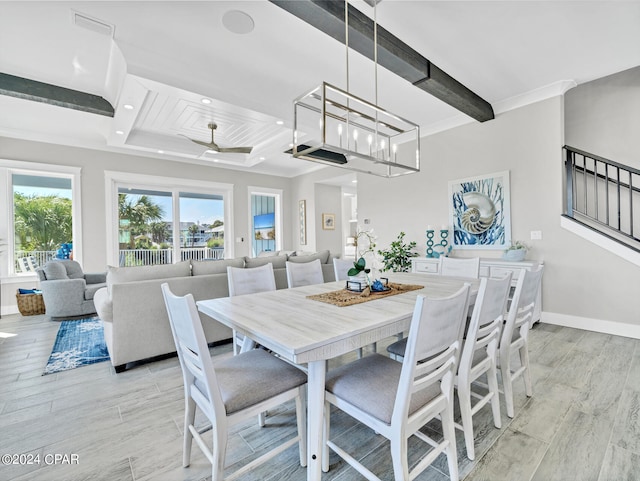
[
  {"x": 140, "y": 214},
  {"x": 159, "y": 231},
  {"x": 193, "y": 230}
]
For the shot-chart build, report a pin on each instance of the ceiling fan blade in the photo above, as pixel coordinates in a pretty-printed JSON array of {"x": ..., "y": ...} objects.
[{"x": 235, "y": 150}]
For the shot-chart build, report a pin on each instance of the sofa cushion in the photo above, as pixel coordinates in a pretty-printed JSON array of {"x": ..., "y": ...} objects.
[
  {"x": 55, "y": 271},
  {"x": 74, "y": 270},
  {"x": 279, "y": 262},
  {"x": 201, "y": 268},
  {"x": 91, "y": 289},
  {"x": 322, "y": 255},
  {"x": 116, "y": 275}
]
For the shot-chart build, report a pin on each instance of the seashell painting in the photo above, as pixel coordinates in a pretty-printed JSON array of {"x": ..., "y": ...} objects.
[{"x": 480, "y": 212}]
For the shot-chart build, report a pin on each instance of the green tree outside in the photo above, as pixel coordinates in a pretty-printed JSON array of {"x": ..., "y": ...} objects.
[{"x": 42, "y": 222}]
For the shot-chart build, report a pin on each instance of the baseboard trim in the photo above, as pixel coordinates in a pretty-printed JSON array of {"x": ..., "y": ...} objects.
[{"x": 589, "y": 324}]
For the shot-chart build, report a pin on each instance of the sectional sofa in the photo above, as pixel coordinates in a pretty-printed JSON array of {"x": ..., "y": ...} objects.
[{"x": 136, "y": 325}]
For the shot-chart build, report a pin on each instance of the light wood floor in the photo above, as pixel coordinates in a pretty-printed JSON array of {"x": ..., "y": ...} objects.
[{"x": 582, "y": 423}]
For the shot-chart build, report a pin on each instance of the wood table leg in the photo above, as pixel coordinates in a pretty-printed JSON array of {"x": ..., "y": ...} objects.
[{"x": 315, "y": 402}]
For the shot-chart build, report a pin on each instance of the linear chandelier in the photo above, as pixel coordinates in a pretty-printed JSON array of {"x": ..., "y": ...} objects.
[{"x": 334, "y": 127}]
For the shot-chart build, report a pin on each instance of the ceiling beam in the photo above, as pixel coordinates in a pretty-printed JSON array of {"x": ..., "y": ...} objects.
[
  {"x": 393, "y": 54},
  {"x": 28, "y": 89}
]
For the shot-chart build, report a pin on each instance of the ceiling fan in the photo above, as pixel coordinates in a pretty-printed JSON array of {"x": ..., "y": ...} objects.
[{"x": 215, "y": 147}]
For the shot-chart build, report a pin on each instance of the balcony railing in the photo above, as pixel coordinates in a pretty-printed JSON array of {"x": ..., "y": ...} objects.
[
  {"x": 27, "y": 261},
  {"x": 146, "y": 257}
]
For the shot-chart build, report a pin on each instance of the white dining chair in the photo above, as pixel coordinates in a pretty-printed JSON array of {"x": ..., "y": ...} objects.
[
  {"x": 515, "y": 334},
  {"x": 304, "y": 273},
  {"x": 479, "y": 355},
  {"x": 460, "y": 267},
  {"x": 341, "y": 267},
  {"x": 396, "y": 400},
  {"x": 449, "y": 266},
  {"x": 230, "y": 392},
  {"x": 248, "y": 280}
]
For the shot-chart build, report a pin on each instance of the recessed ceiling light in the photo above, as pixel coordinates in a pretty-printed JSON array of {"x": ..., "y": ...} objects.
[
  {"x": 206, "y": 101},
  {"x": 354, "y": 181},
  {"x": 238, "y": 22},
  {"x": 128, "y": 106},
  {"x": 161, "y": 151},
  {"x": 215, "y": 160},
  {"x": 119, "y": 132},
  {"x": 212, "y": 151},
  {"x": 262, "y": 158},
  {"x": 279, "y": 122}
]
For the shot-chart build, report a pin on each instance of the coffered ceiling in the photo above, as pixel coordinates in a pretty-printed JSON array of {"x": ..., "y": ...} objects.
[{"x": 163, "y": 58}]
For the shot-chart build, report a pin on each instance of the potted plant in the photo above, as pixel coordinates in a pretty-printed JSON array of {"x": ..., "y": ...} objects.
[
  {"x": 398, "y": 257},
  {"x": 516, "y": 252}
]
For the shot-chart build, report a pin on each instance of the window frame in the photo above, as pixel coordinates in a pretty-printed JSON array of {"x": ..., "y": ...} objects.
[
  {"x": 9, "y": 168},
  {"x": 115, "y": 180}
]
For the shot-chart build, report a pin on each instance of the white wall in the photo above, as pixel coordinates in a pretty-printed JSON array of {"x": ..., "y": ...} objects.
[
  {"x": 328, "y": 201},
  {"x": 581, "y": 280}
]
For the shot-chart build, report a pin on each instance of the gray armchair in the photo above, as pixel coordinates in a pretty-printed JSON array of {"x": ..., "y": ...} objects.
[{"x": 66, "y": 290}]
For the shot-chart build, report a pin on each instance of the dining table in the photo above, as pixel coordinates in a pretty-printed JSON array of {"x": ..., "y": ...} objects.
[{"x": 309, "y": 332}]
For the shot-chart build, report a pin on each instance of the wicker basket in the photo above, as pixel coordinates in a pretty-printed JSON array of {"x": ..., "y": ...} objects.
[{"x": 30, "y": 304}]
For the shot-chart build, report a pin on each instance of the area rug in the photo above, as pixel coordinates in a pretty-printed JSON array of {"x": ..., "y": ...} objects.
[{"x": 79, "y": 343}]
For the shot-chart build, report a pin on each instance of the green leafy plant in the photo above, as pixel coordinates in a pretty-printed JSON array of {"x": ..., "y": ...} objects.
[
  {"x": 358, "y": 266},
  {"x": 517, "y": 245},
  {"x": 397, "y": 257}
]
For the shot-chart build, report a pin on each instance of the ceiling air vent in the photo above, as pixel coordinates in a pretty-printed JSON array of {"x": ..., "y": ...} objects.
[{"x": 93, "y": 24}]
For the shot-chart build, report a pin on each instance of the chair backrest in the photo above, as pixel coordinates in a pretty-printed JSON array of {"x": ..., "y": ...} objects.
[
  {"x": 199, "y": 376},
  {"x": 433, "y": 348},
  {"x": 341, "y": 267},
  {"x": 523, "y": 303},
  {"x": 250, "y": 280},
  {"x": 458, "y": 267},
  {"x": 304, "y": 273},
  {"x": 487, "y": 318}
]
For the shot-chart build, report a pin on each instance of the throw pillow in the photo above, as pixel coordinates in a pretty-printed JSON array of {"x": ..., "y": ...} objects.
[
  {"x": 279, "y": 262},
  {"x": 55, "y": 271},
  {"x": 268, "y": 253},
  {"x": 323, "y": 256}
]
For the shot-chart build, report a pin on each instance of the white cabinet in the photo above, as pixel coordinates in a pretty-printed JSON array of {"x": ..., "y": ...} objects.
[{"x": 488, "y": 268}]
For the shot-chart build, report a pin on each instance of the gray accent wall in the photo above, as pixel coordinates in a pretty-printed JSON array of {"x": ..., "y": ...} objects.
[
  {"x": 602, "y": 117},
  {"x": 581, "y": 280},
  {"x": 94, "y": 163}
]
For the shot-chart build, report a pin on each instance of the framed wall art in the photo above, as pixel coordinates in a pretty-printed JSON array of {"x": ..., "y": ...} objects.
[
  {"x": 480, "y": 212},
  {"x": 328, "y": 221},
  {"x": 302, "y": 221}
]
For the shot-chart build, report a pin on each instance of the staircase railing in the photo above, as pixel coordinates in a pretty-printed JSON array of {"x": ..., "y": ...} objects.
[{"x": 603, "y": 193}]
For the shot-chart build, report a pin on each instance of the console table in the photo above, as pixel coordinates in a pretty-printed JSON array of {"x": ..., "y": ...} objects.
[{"x": 489, "y": 267}]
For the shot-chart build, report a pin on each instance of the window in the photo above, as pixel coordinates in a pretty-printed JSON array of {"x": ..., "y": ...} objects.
[
  {"x": 42, "y": 216},
  {"x": 159, "y": 222},
  {"x": 265, "y": 226}
]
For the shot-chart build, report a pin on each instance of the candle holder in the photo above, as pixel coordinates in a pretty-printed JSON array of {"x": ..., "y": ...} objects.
[
  {"x": 430, "y": 242},
  {"x": 444, "y": 235}
]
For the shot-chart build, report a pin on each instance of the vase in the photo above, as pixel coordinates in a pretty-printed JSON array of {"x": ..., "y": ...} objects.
[
  {"x": 360, "y": 279},
  {"x": 515, "y": 255}
]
